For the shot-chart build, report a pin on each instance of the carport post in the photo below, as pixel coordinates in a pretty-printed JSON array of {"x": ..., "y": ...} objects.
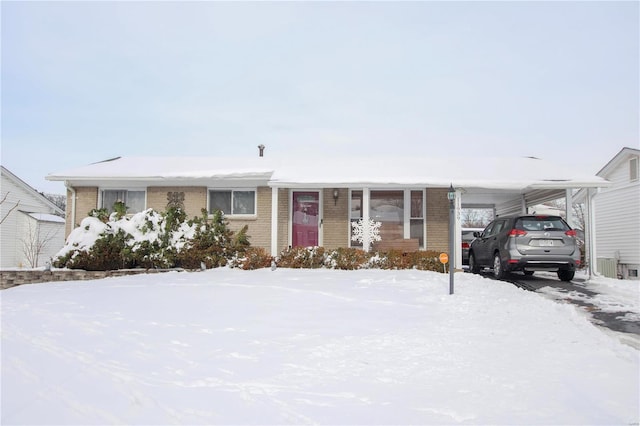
[{"x": 451, "y": 195}]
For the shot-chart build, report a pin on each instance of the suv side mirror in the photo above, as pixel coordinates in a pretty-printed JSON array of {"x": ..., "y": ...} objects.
[{"x": 477, "y": 234}]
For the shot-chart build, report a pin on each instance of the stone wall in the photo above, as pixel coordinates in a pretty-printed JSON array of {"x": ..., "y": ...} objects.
[{"x": 12, "y": 278}]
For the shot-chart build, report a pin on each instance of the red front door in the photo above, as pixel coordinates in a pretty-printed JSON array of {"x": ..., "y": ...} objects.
[{"x": 306, "y": 213}]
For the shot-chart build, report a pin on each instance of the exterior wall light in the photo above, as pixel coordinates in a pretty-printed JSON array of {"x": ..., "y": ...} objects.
[
  {"x": 451, "y": 195},
  {"x": 335, "y": 196}
]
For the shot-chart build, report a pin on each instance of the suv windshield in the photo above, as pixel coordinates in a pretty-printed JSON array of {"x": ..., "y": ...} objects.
[{"x": 541, "y": 223}]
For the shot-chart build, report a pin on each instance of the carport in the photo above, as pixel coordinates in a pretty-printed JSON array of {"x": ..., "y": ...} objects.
[{"x": 506, "y": 200}]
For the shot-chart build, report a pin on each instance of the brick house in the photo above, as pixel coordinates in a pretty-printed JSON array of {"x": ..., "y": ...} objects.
[{"x": 288, "y": 202}]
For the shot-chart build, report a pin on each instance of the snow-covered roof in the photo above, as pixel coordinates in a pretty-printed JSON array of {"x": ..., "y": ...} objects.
[
  {"x": 45, "y": 217},
  {"x": 492, "y": 173},
  {"x": 41, "y": 199}
]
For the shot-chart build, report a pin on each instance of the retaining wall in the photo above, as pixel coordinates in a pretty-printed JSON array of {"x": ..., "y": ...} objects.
[{"x": 12, "y": 278}]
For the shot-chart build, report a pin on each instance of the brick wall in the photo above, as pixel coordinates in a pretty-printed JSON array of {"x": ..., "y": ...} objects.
[
  {"x": 335, "y": 225},
  {"x": 437, "y": 219},
  {"x": 86, "y": 200},
  {"x": 195, "y": 198},
  {"x": 283, "y": 220},
  {"x": 335, "y": 221},
  {"x": 259, "y": 227}
]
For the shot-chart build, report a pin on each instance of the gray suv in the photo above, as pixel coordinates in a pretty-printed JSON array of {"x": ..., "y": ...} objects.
[{"x": 526, "y": 243}]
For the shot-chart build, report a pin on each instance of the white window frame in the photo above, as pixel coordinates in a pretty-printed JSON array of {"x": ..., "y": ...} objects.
[
  {"x": 633, "y": 169},
  {"x": 126, "y": 189},
  {"x": 231, "y": 215},
  {"x": 407, "y": 212},
  {"x": 408, "y": 218}
]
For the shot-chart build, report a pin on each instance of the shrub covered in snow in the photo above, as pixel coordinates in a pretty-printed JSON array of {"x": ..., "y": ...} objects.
[
  {"x": 151, "y": 240},
  {"x": 302, "y": 257},
  {"x": 213, "y": 243},
  {"x": 167, "y": 240},
  {"x": 251, "y": 258},
  {"x": 353, "y": 258}
]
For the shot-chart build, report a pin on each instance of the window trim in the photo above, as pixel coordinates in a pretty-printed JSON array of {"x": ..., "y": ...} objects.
[
  {"x": 232, "y": 190},
  {"x": 101, "y": 191},
  {"x": 407, "y": 218},
  {"x": 633, "y": 170}
]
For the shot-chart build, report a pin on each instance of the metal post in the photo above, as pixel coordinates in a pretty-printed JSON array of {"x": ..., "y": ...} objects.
[{"x": 451, "y": 195}]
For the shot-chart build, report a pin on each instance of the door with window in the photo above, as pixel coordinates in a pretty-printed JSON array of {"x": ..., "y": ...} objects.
[
  {"x": 305, "y": 220},
  {"x": 485, "y": 246}
]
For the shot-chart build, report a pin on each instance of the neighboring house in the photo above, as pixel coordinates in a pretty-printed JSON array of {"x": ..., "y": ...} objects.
[
  {"x": 313, "y": 201},
  {"x": 546, "y": 209},
  {"x": 616, "y": 213},
  {"x": 32, "y": 227}
]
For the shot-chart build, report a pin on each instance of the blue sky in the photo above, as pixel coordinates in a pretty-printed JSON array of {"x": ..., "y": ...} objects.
[{"x": 87, "y": 81}]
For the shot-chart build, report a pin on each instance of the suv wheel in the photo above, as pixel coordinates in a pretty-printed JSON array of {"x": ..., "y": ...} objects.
[
  {"x": 498, "y": 270},
  {"x": 528, "y": 273},
  {"x": 473, "y": 266},
  {"x": 565, "y": 275}
]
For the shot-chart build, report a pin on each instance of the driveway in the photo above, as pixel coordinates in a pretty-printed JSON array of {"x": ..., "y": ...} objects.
[{"x": 547, "y": 284}]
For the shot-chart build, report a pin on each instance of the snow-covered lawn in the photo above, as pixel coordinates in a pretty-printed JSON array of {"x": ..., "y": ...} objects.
[{"x": 307, "y": 346}]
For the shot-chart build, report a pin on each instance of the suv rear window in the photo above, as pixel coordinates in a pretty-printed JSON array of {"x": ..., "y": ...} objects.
[{"x": 541, "y": 223}]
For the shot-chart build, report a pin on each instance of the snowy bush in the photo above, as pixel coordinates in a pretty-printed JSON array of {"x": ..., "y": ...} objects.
[
  {"x": 151, "y": 240},
  {"x": 354, "y": 258},
  {"x": 347, "y": 258},
  {"x": 302, "y": 257},
  {"x": 251, "y": 258},
  {"x": 212, "y": 243}
]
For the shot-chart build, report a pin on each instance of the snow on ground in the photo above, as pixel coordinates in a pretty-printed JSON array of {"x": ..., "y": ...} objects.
[
  {"x": 613, "y": 295},
  {"x": 228, "y": 346}
]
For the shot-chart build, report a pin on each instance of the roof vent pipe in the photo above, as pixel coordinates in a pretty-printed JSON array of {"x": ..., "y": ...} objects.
[{"x": 261, "y": 148}]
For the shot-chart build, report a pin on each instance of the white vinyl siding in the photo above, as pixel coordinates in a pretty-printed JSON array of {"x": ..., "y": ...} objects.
[
  {"x": 617, "y": 212},
  {"x": 11, "y": 228},
  {"x": 39, "y": 240}
]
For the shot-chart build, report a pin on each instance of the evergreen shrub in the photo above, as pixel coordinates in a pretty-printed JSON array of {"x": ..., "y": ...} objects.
[
  {"x": 302, "y": 257},
  {"x": 353, "y": 258},
  {"x": 164, "y": 240}
]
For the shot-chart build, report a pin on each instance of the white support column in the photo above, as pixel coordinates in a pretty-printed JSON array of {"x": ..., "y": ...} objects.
[
  {"x": 569, "y": 206},
  {"x": 366, "y": 244},
  {"x": 274, "y": 221},
  {"x": 407, "y": 214},
  {"x": 590, "y": 234}
]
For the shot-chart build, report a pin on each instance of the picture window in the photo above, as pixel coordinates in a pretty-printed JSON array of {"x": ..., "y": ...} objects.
[
  {"x": 134, "y": 200},
  {"x": 232, "y": 202}
]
